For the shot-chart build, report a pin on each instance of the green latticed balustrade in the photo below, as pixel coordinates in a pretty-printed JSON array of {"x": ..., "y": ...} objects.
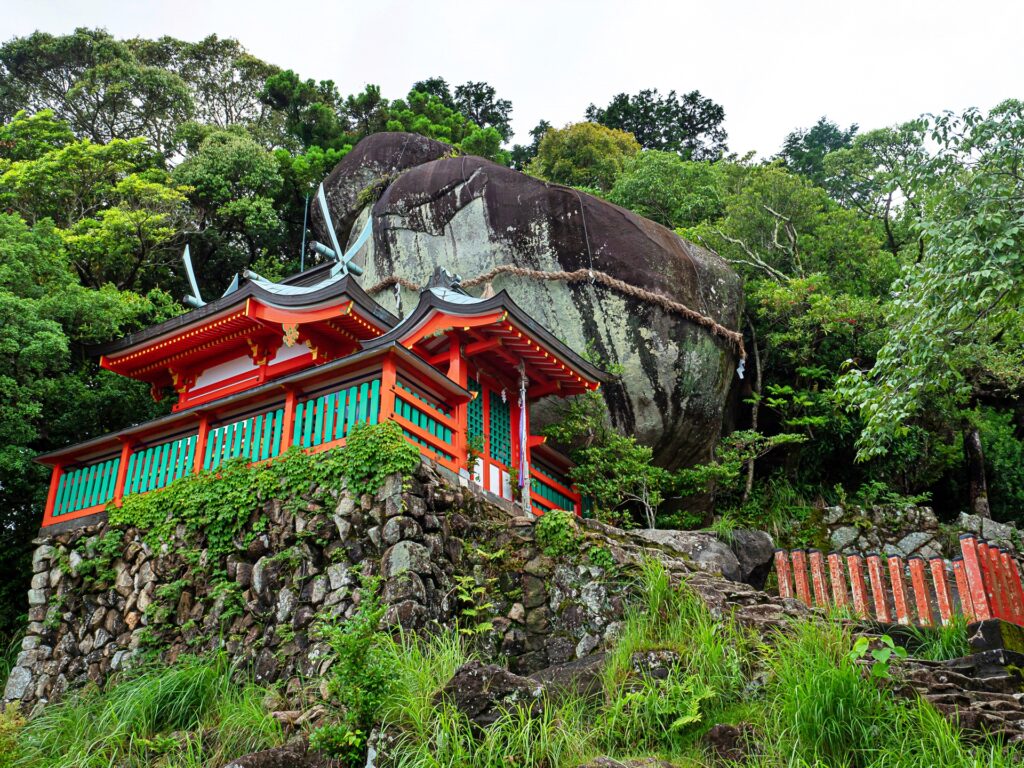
[
  {"x": 545, "y": 491},
  {"x": 331, "y": 416},
  {"x": 86, "y": 486},
  {"x": 257, "y": 438},
  {"x": 159, "y": 465}
]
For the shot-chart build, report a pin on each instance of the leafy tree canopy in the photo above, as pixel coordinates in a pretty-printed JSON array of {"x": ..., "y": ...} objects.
[
  {"x": 669, "y": 190},
  {"x": 583, "y": 155},
  {"x": 955, "y": 325},
  {"x": 804, "y": 151},
  {"x": 688, "y": 124}
]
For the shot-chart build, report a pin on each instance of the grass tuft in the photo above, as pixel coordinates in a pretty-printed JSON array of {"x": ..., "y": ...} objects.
[{"x": 192, "y": 714}]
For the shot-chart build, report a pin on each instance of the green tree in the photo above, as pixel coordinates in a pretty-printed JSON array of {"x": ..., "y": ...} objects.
[
  {"x": 312, "y": 109},
  {"x": 118, "y": 213},
  {"x": 50, "y": 393},
  {"x": 669, "y": 190},
  {"x": 224, "y": 80},
  {"x": 30, "y": 137},
  {"x": 95, "y": 84},
  {"x": 872, "y": 175},
  {"x": 804, "y": 151},
  {"x": 688, "y": 124},
  {"x": 522, "y": 154},
  {"x": 955, "y": 326},
  {"x": 479, "y": 103},
  {"x": 583, "y": 155},
  {"x": 233, "y": 184}
]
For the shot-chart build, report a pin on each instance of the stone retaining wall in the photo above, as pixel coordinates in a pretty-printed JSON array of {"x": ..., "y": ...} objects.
[
  {"x": 907, "y": 530},
  {"x": 430, "y": 540}
]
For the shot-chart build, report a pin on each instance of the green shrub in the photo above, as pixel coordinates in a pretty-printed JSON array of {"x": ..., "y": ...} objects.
[
  {"x": 556, "y": 533},
  {"x": 11, "y": 723},
  {"x": 655, "y": 713}
]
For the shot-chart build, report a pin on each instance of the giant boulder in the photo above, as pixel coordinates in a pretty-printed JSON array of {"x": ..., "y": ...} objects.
[{"x": 470, "y": 215}]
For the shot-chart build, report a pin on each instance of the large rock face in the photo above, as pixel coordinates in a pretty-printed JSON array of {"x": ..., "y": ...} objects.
[{"x": 470, "y": 215}]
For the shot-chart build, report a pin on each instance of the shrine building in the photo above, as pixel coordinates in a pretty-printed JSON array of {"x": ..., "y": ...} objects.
[{"x": 273, "y": 365}]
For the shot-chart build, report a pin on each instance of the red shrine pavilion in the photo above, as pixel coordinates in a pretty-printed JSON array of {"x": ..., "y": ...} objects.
[{"x": 272, "y": 365}]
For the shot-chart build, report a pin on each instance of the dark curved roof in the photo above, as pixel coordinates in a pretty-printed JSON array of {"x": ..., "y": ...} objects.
[
  {"x": 430, "y": 300},
  {"x": 250, "y": 288}
]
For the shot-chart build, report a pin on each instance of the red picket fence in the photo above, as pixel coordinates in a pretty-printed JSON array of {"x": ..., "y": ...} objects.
[{"x": 986, "y": 583}]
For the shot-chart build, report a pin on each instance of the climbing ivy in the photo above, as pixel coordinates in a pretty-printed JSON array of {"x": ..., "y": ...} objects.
[
  {"x": 374, "y": 451},
  {"x": 218, "y": 505}
]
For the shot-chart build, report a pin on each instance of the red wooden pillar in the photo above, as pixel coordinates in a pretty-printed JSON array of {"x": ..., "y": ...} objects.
[
  {"x": 858, "y": 588},
  {"x": 920, "y": 587},
  {"x": 783, "y": 573},
  {"x": 1012, "y": 599},
  {"x": 1015, "y": 583},
  {"x": 835, "y": 571},
  {"x": 458, "y": 373},
  {"x": 51, "y": 494},
  {"x": 527, "y": 448},
  {"x": 818, "y": 580},
  {"x": 979, "y": 597},
  {"x": 803, "y": 590},
  {"x": 122, "y": 470},
  {"x": 963, "y": 588},
  {"x": 899, "y": 589},
  {"x": 388, "y": 382},
  {"x": 878, "y": 588},
  {"x": 943, "y": 599},
  {"x": 204, "y": 432},
  {"x": 989, "y": 575},
  {"x": 291, "y": 398}
]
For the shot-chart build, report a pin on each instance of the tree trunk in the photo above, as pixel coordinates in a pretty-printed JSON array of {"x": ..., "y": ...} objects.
[
  {"x": 976, "y": 472},
  {"x": 755, "y": 409}
]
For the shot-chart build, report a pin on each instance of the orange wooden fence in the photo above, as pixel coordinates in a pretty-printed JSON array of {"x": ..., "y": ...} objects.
[{"x": 986, "y": 583}]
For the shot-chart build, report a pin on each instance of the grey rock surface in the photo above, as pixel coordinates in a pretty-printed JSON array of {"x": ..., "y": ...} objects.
[{"x": 470, "y": 215}]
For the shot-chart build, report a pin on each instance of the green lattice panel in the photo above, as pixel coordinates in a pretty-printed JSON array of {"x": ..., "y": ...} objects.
[
  {"x": 500, "y": 430},
  {"x": 256, "y": 438},
  {"x": 557, "y": 498},
  {"x": 421, "y": 416},
  {"x": 86, "y": 487},
  {"x": 475, "y": 412},
  {"x": 159, "y": 465},
  {"x": 331, "y": 416}
]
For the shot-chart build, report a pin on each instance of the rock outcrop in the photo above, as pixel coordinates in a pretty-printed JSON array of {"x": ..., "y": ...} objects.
[{"x": 470, "y": 216}]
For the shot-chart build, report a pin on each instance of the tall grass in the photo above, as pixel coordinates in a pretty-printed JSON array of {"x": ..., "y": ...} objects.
[
  {"x": 822, "y": 708},
  {"x": 942, "y": 642},
  {"x": 713, "y": 651},
  {"x": 432, "y": 734},
  {"x": 190, "y": 714}
]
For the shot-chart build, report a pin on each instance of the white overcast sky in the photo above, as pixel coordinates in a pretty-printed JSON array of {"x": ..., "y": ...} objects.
[{"x": 774, "y": 66}]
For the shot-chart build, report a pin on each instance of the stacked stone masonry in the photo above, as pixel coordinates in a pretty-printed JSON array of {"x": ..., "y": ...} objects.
[{"x": 421, "y": 536}]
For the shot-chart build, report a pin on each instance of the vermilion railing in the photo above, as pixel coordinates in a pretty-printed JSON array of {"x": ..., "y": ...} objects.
[
  {"x": 983, "y": 582},
  {"x": 315, "y": 414}
]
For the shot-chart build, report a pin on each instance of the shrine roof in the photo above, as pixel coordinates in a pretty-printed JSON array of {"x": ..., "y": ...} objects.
[
  {"x": 306, "y": 289},
  {"x": 434, "y": 300}
]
